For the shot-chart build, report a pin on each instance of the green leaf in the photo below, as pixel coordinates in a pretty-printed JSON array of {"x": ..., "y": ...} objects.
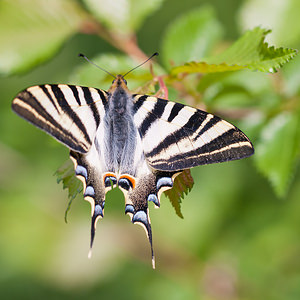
[
  {"x": 248, "y": 52},
  {"x": 191, "y": 37},
  {"x": 66, "y": 175},
  {"x": 278, "y": 149},
  {"x": 203, "y": 67},
  {"x": 254, "y": 53},
  {"x": 122, "y": 16},
  {"x": 182, "y": 186},
  {"x": 32, "y": 31}
]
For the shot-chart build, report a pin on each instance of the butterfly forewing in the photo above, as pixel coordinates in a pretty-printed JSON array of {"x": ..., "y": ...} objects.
[
  {"x": 177, "y": 137},
  {"x": 69, "y": 113}
]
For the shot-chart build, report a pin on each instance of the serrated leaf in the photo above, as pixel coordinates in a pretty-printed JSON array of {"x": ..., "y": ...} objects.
[
  {"x": 278, "y": 149},
  {"x": 182, "y": 186},
  {"x": 32, "y": 31},
  {"x": 66, "y": 175},
  {"x": 254, "y": 53},
  {"x": 191, "y": 37},
  {"x": 122, "y": 16},
  {"x": 248, "y": 52}
]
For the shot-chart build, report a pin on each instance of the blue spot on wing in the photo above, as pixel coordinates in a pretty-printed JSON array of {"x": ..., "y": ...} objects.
[
  {"x": 141, "y": 217},
  {"x": 89, "y": 191},
  {"x": 129, "y": 209},
  {"x": 80, "y": 170},
  {"x": 164, "y": 181},
  {"x": 154, "y": 199},
  {"x": 98, "y": 211}
]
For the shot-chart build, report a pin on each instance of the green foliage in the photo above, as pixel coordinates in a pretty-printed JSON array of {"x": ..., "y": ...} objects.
[
  {"x": 203, "y": 67},
  {"x": 191, "y": 37},
  {"x": 33, "y": 34},
  {"x": 122, "y": 16},
  {"x": 249, "y": 52},
  {"x": 283, "y": 18},
  {"x": 66, "y": 175},
  {"x": 280, "y": 143},
  {"x": 291, "y": 77},
  {"x": 182, "y": 186},
  {"x": 235, "y": 221}
]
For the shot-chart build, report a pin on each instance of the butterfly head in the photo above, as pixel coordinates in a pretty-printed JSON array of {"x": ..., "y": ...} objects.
[
  {"x": 119, "y": 80},
  {"x": 118, "y": 84}
]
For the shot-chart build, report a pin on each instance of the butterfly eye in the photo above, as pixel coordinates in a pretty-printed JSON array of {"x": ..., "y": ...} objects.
[{"x": 125, "y": 81}]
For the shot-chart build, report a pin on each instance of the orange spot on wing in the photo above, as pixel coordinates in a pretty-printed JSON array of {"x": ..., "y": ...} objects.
[
  {"x": 108, "y": 174},
  {"x": 130, "y": 178}
]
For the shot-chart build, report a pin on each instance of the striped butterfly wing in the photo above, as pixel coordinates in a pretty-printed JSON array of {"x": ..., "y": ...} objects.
[
  {"x": 69, "y": 113},
  {"x": 72, "y": 115},
  {"x": 177, "y": 137}
]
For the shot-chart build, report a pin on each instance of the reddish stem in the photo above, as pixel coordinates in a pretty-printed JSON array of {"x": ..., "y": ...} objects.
[{"x": 162, "y": 88}]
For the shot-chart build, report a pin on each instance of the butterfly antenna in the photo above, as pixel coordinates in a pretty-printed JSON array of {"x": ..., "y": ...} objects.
[
  {"x": 82, "y": 55},
  {"x": 154, "y": 54}
]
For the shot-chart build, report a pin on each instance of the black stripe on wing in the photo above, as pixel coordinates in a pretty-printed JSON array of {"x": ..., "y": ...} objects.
[
  {"x": 182, "y": 137},
  {"x": 70, "y": 111},
  {"x": 175, "y": 111},
  {"x": 178, "y": 135},
  {"x": 54, "y": 103},
  {"x": 139, "y": 101},
  {"x": 75, "y": 93},
  {"x": 90, "y": 101},
  {"x": 152, "y": 116}
]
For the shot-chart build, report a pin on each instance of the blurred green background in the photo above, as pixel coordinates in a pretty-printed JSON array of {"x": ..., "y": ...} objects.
[{"x": 239, "y": 238}]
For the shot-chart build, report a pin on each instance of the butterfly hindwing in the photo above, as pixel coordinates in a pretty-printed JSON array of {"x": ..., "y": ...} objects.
[
  {"x": 95, "y": 185},
  {"x": 147, "y": 188},
  {"x": 69, "y": 113},
  {"x": 177, "y": 137}
]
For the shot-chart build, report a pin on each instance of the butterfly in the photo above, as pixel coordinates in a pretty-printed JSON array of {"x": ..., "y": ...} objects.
[{"x": 139, "y": 143}]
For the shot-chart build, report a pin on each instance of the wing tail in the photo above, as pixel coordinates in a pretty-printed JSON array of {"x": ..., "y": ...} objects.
[{"x": 147, "y": 188}]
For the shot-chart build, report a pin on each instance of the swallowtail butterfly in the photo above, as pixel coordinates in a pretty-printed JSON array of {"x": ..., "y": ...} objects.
[{"x": 139, "y": 143}]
